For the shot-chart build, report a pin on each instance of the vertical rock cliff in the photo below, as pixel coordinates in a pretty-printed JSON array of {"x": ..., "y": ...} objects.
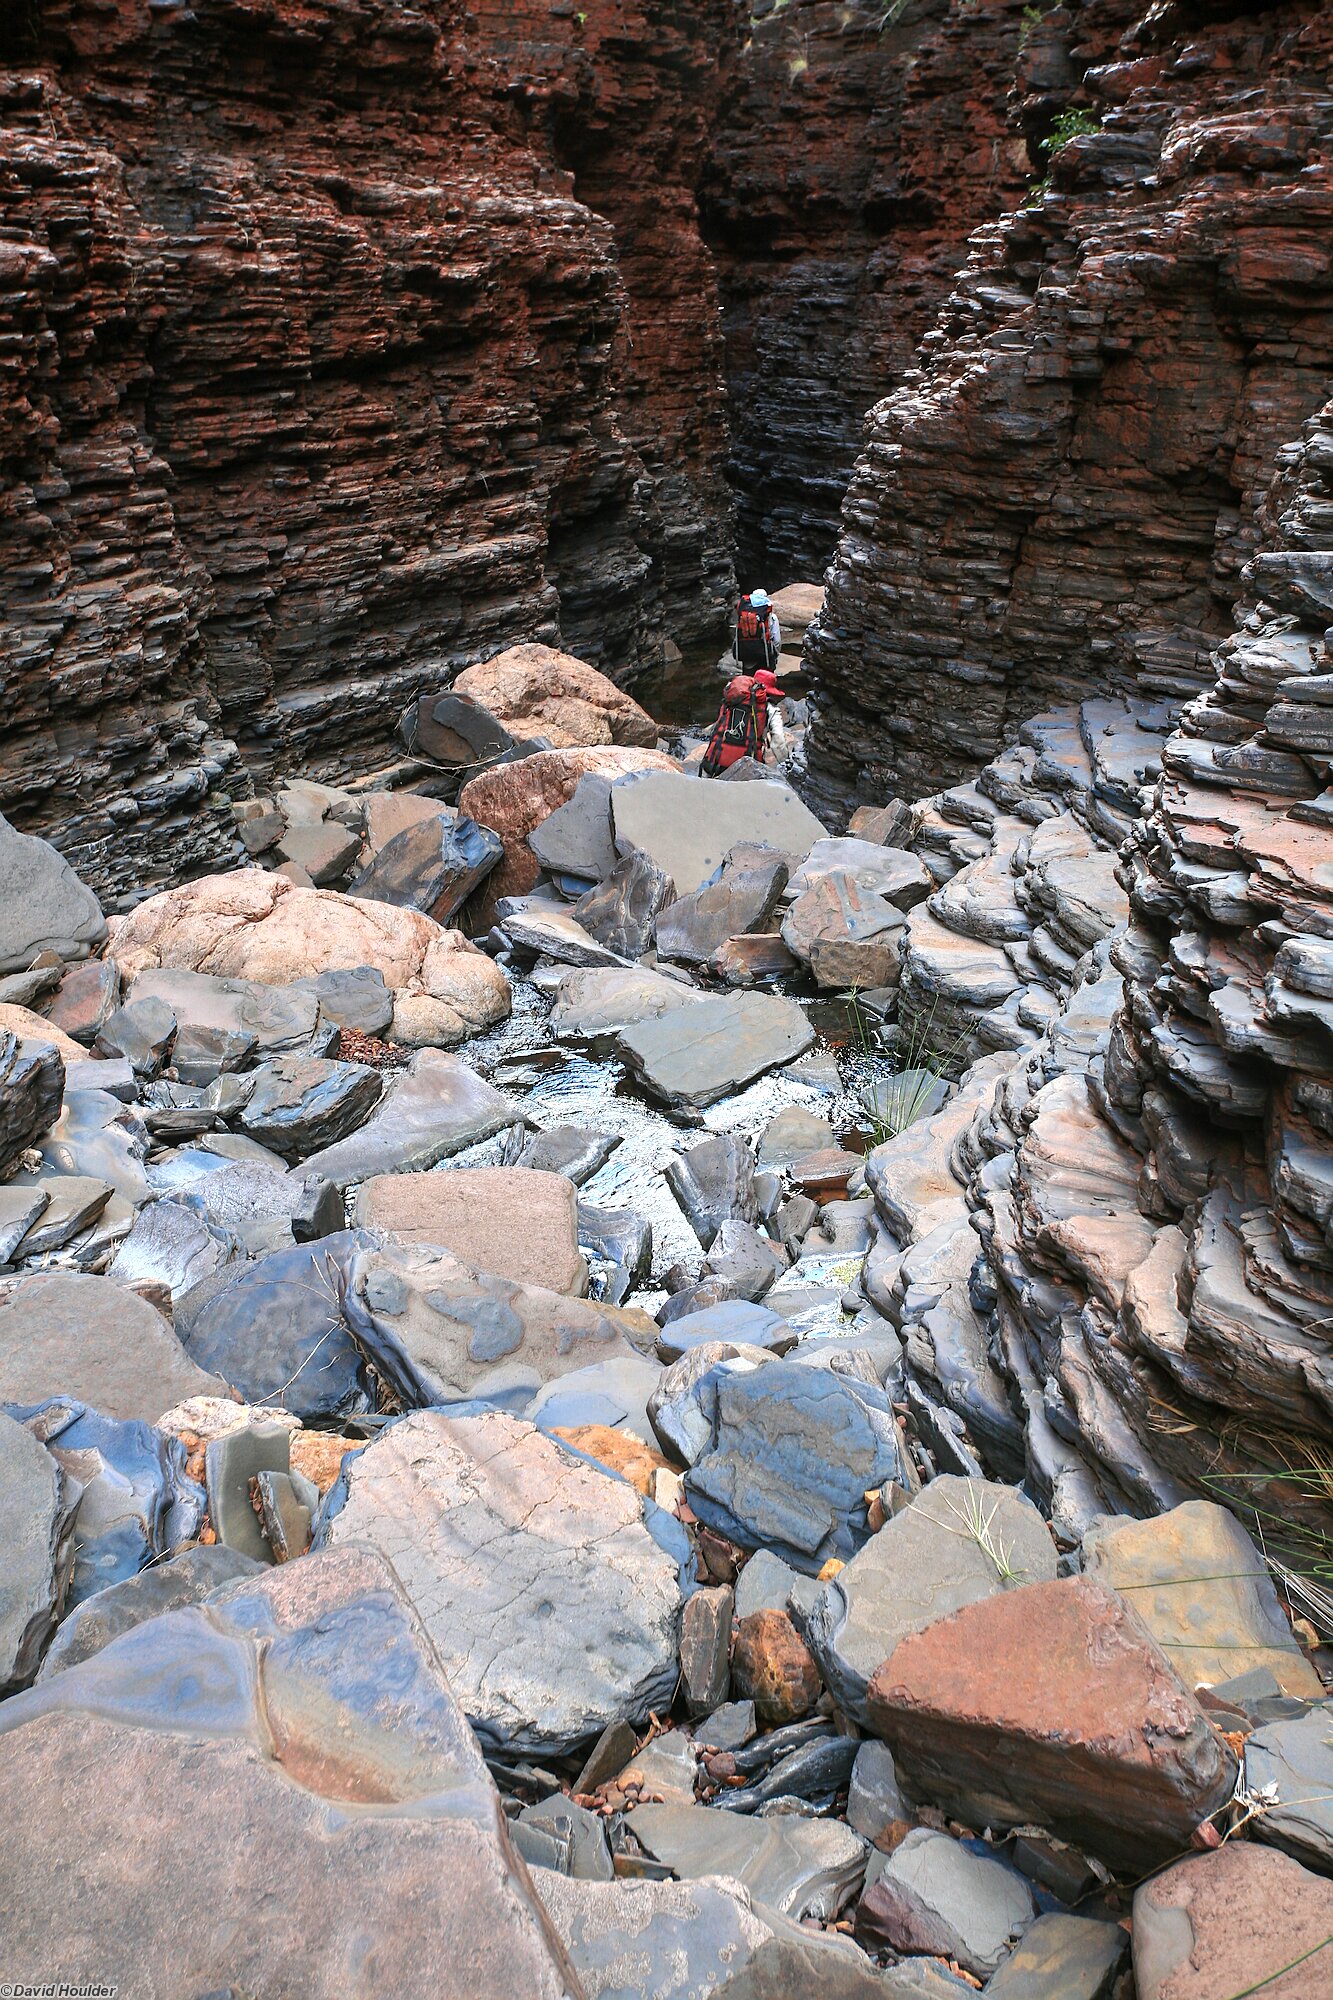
[
  {"x": 338, "y": 354},
  {"x": 1060, "y": 497}
]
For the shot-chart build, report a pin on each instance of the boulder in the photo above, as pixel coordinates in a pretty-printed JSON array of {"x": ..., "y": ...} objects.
[
  {"x": 893, "y": 873},
  {"x": 1243, "y": 1920},
  {"x": 257, "y": 1205},
  {"x": 256, "y": 926},
  {"x": 688, "y": 825},
  {"x": 742, "y": 898},
  {"x": 772, "y": 1667},
  {"x": 457, "y": 732},
  {"x": 439, "y": 1331},
  {"x": 301, "y": 1104},
  {"x": 98, "y": 1137},
  {"x": 1289, "y": 1764},
  {"x": 681, "y": 1408},
  {"x": 88, "y": 995},
  {"x": 1074, "y": 1957},
  {"x": 62, "y": 1334},
  {"x": 32, "y": 1089},
  {"x": 277, "y": 1330},
  {"x": 622, "y": 911},
  {"x": 958, "y": 1541},
  {"x": 690, "y": 1060},
  {"x": 595, "y": 1007},
  {"x": 792, "y": 1454},
  {"x": 576, "y": 838},
  {"x": 576, "y": 1151},
  {"x": 936, "y": 1895},
  {"x": 387, "y": 814},
  {"x": 37, "y": 1505},
  {"x": 433, "y": 1109},
  {"x": 847, "y": 935},
  {"x": 43, "y": 904},
  {"x": 688, "y": 1940},
  {"x": 512, "y": 799},
  {"x": 1052, "y": 1704},
  {"x": 798, "y": 1867},
  {"x": 536, "y": 691},
  {"x": 171, "y": 1246},
  {"x": 553, "y": 1608},
  {"x": 432, "y": 866},
  {"x": 511, "y": 1221},
  {"x": 1201, "y": 1587},
  {"x": 185, "y": 1579},
  {"x": 713, "y": 1181},
  {"x": 308, "y": 1707},
  {"x": 355, "y": 998},
  {"x": 223, "y": 1024}
]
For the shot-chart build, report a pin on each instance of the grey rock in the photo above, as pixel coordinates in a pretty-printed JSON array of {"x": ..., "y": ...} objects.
[
  {"x": 935, "y": 1895},
  {"x": 102, "y": 1139},
  {"x": 576, "y": 838},
  {"x": 277, "y": 1330},
  {"x": 251, "y": 1203},
  {"x": 432, "y": 866},
  {"x": 188, "y": 1578},
  {"x": 622, "y": 911},
  {"x": 558, "y": 1834},
  {"x": 141, "y": 1033},
  {"x": 203, "y": 1054},
  {"x": 764, "y": 1584},
  {"x": 1063, "y": 1958},
  {"x": 576, "y": 1151},
  {"x": 689, "y": 825},
  {"x": 19, "y": 1208},
  {"x": 729, "y": 1727},
  {"x": 596, "y": 1006},
  {"x": 665, "y": 1769},
  {"x": 1296, "y": 1757},
  {"x": 791, "y": 1135},
  {"x": 692, "y": 1058},
  {"x": 895, "y": 1102},
  {"x": 614, "y": 1392},
  {"x": 739, "y": 1322},
  {"x": 323, "y": 849},
  {"x": 72, "y": 1202},
  {"x": 454, "y": 730},
  {"x": 137, "y": 1503},
  {"x": 25, "y": 989},
  {"x": 874, "y": 1801},
  {"x": 680, "y": 1411},
  {"x": 36, "y": 1507},
  {"x": 546, "y": 931},
  {"x": 282, "y": 1019},
  {"x": 608, "y": 1757},
  {"x": 622, "y": 1240},
  {"x": 799, "y": 1867},
  {"x": 230, "y": 1463},
  {"x": 64, "y": 1334},
  {"x": 43, "y": 904},
  {"x": 552, "y": 1606},
  {"x": 89, "y": 994},
  {"x": 32, "y": 1086},
  {"x": 287, "y": 1504},
  {"x": 436, "y": 1331},
  {"x": 434, "y": 1108},
  {"x": 705, "y": 1648},
  {"x": 714, "y": 1181},
  {"x": 923, "y": 1564},
  {"x": 895, "y": 874},
  {"x": 745, "y": 1259},
  {"x": 792, "y": 1453},
  {"x": 170, "y": 1244},
  {"x": 152, "y": 1745},
  {"x": 356, "y": 998},
  {"x": 301, "y": 1104},
  {"x": 697, "y": 1941},
  {"x": 741, "y": 900}
]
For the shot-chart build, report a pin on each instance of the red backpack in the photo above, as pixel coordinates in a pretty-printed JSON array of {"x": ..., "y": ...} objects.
[
  {"x": 749, "y": 625},
  {"x": 742, "y": 723}
]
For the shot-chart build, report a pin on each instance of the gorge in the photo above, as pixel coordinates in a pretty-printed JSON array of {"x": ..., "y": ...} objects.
[{"x": 623, "y": 1373}]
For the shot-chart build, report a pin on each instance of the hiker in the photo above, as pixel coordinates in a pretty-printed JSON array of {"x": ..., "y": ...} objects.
[
  {"x": 741, "y": 726},
  {"x": 758, "y": 639},
  {"x": 775, "y": 748}
]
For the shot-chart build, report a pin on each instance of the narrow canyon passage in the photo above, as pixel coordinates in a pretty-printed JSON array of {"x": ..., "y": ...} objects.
[{"x": 666, "y": 999}]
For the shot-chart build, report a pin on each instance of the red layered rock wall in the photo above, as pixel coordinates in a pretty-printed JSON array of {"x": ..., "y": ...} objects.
[
  {"x": 853, "y": 159},
  {"x": 1060, "y": 497},
  {"x": 336, "y": 355}
]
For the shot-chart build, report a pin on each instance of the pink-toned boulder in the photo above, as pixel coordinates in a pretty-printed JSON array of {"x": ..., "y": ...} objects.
[
  {"x": 254, "y": 925},
  {"x": 514, "y": 799},
  {"x": 536, "y": 691}
]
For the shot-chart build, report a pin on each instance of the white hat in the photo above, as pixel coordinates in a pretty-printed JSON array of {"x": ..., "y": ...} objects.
[{"x": 759, "y": 598}]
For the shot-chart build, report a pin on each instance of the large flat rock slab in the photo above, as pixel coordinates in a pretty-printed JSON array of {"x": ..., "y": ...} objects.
[
  {"x": 43, "y": 904},
  {"x": 688, "y": 825},
  {"x": 516, "y": 1222},
  {"x": 552, "y": 1607},
  {"x": 594, "y": 1007},
  {"x": 1051, "y": 1704},
  {"x": 692, "y": 1057},
  {"x": 437, "y": 1331},
  {"x": 430, "y": 1111},
  {"x": 1243, "y": 1920},
  {"x": 799, "y": 1867},
  {"x": 307, "y": 1709},
  {"x": 62, "y": 1334}
]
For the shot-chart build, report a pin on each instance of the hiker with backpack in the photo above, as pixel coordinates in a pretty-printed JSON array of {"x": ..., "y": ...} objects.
[
  {"x": 741, "y": 726},
  {"x": 758, "y": 640}
]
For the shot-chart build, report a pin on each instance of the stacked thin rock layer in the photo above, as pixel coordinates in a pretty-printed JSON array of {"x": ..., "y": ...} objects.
[
  {"x": 325, "y": 376},
  {"x": 1112, "y": 1253},
  {"x": 1058, "y": 501}
]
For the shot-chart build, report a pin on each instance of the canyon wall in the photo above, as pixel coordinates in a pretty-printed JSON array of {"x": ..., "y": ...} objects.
[
  {"x": 343, "y": 346},
  {"x": 1061, "y": 495}
]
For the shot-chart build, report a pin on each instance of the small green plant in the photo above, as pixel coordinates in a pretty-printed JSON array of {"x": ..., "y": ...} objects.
[
  {"x": 1032, "y": 18},
  {"x": 977, "y": 1524},
  {"x": 1075, "y": 123}
]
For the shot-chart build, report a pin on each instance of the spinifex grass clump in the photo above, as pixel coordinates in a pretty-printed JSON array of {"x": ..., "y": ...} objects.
[{"x": 921, "y": 1062}]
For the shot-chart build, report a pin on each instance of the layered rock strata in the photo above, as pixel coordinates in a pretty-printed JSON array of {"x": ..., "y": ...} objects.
[
  {"x": 337, "y": 358},
  {"x": 1059, "y": 498},
  {"x": 1110, "y": 1255}
]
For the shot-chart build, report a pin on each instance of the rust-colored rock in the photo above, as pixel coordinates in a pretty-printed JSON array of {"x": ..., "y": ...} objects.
[
  {"x": 1229, "y": 1923},
  {"x": 537, "y": 691},
  {"x": 772, "y": 1667},
  {"x": 1052, "y": 1704},
  {"x": 512, "y": 799}
]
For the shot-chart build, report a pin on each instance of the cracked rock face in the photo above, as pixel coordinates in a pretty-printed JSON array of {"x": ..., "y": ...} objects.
[{"x": 553, "y": 1608}]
